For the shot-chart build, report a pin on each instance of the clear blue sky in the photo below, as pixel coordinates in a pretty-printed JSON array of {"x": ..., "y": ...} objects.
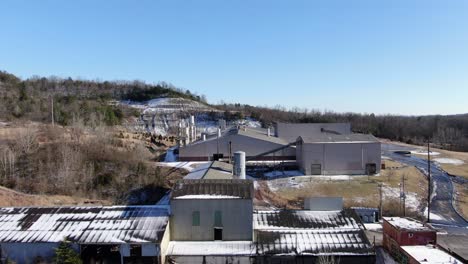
[{"x": 407, "y": 57}]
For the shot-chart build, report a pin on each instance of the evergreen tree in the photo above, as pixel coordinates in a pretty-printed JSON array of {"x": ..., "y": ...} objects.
[{"x": 65, "y": 254}]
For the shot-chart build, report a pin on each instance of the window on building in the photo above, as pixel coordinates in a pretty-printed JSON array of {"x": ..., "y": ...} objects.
[
  {"x": 218, "y": 219},
  {"x": 196, "y": 218}
]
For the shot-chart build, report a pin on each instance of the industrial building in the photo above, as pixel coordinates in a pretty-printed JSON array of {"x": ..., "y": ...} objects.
[
  {"x": 112, "y": 234},
  {"x": 213, "y": 221},
  {"x": 317, "y": 148},
  {"x": 332, "y": 154},
  {"x": 256, "y": 144}
]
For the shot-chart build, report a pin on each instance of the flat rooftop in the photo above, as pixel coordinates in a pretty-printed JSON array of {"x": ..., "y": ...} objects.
[
  {"x": 430, "y": 255},
  {"x": 405, "y": 223},
  {"x": 338, "y": 138}
]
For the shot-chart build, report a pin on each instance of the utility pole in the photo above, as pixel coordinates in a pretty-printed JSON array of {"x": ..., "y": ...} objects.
[
  {"x": 403, "y": 179},
  {"x": 428, "y": 181},
  {"x": 380, "y": 201}
]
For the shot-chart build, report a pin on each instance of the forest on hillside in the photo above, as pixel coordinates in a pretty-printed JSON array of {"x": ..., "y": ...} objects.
[
  {"x": 88, "y": 102},
  {"x": 448, "y": 132},
  {"x": 75, "y": 100}
]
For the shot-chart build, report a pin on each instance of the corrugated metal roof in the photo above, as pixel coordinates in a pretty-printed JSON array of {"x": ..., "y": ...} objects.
[
  {"x": 302, "y": 232},
  {"x": 211, "y": 248},
  {"x": 305, "y": 219},
  {"x": 336, "y": 138},
  {"x": 261, "y": 136},
  {"x": 235, "y": 187},
  {"x": 212, "y": 170},
  {"x": 115, "y": 224},
  {"x": 304, "y": 242}
]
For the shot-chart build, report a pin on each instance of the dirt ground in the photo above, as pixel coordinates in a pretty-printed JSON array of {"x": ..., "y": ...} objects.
[
  {"x": 9, "y": 197},
  {"x": 462, "y": 198},
  {"x": 360, "y": 190}
]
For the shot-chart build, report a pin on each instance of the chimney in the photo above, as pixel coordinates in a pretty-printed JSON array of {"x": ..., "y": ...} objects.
[{"x": 239, "y": 164}]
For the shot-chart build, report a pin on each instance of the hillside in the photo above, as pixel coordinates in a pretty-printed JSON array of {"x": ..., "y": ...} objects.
[{"x": 89, "y": 102}]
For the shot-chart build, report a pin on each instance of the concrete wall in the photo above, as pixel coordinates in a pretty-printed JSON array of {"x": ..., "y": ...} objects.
[
  {"x": 339, "y": 158},
  {"x": 27, "y": 252},
  {"x": 165, "y": 242},
  {"x": 291, "y": 132},
  {"x": 236, "y": 219},
  {"x": 204, "y": 150}
]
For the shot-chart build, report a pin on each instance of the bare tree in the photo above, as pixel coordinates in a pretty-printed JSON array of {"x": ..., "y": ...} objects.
[
  {"x": 26, "y": 141},
  {"x": 7, "y": 162}
]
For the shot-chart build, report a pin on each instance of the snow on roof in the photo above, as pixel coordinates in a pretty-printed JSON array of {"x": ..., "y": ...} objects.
[
  {"x": 310, "y": 232},
  {"x": 308, "y": 242},
  {"x": 211, "y": 248},
  {"x": 207, "y": 196},
  {"x": 121, "y": 224},
  {"x": 113, "y": 224},
  {"x": 211, "y": 170},
  {"x": 305, "y": 219},
  {"x": 429, "y": 254},
  {"x": 279, "y": 243},
  {"x": 406, "y": 223},
  {"x": 199, "y": 171}
]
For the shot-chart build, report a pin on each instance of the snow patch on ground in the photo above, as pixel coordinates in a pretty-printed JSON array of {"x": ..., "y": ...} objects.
[
  {"x": 433, "y": 216},
  {"x": 282, "y": 184},
  {"x": 248, "y": 122},
  {"x": 449, "y": 161},
  {"x": 412, "y": 200},
  {"x": 373, "y": 226},
  {"x": 187, "y": 165},
  {"x": 424, "y": 152}
]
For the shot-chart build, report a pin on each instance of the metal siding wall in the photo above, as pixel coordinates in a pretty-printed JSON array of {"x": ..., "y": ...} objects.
[
  {"x": 340, "y": 158},
  {"x": 311, "y": 154},
  {"x": 24, "y": 253},
  {"x": 149, "y": 250},
  {"x": 236, "y": 216},
  {"x": 251, "y": 146}
]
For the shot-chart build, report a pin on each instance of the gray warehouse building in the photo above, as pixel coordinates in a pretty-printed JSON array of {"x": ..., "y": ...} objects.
[
  {"x": 317, "y": 148},
  {"x": 332, "y": 154}
]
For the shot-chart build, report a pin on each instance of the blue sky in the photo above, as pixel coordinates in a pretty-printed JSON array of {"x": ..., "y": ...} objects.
[{"x": 403, "y": 57}]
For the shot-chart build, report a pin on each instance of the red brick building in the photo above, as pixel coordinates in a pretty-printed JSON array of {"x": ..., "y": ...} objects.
[{"x": 398, "y": 231}]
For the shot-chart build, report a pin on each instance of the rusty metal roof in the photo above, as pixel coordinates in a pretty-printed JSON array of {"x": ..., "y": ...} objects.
[
  {"x": 111, "y": 224},
  {"x": 238, "y": 188}
]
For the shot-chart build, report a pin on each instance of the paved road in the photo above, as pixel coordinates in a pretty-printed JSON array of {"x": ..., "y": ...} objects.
[{"x": 442, "y": 188}]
